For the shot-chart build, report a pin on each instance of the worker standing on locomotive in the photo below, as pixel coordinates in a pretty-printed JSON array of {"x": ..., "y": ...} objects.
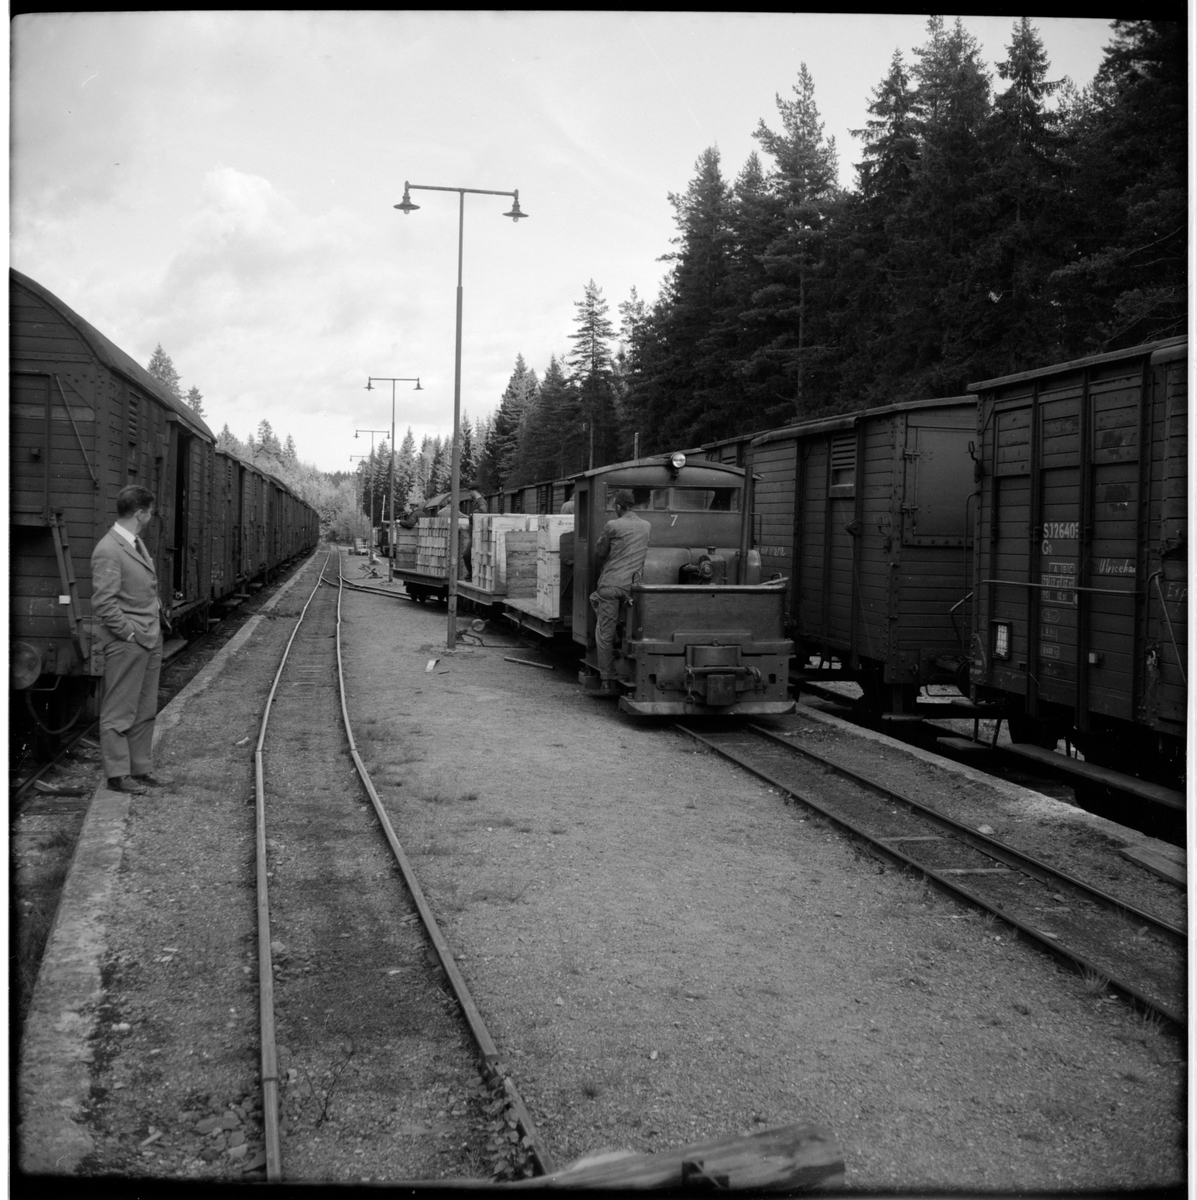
[
  {"x": 125, "y": 603},
  {"x": 621, "y": 548}
]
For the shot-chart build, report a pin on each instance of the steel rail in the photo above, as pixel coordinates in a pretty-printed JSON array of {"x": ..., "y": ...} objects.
[
  {"x": 270, "y": 1118},
  {"x": 486, "y": 1044},
  {"x": 890, "y": 851},
  {"x": 20, "y": 790},
  {"x": 1019, "y": 860}
]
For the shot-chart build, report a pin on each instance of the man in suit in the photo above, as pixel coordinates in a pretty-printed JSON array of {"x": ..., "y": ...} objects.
[{"x": 124, "y": 602}]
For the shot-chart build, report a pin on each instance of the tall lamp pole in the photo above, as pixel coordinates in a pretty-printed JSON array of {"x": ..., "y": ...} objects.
[
  {"x": 373, "y": 469},
  {"x": 370, "y": 381},
  {"x": 357, "y": 493},
  {"x": 406, "y": 207}
]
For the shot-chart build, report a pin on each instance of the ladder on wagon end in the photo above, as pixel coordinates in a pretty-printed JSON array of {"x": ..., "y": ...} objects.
[{"x": 66, "y": 576}]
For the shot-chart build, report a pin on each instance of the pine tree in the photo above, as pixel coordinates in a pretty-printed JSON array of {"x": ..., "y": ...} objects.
[
  {"x": 1127, "y": 281},
  {"x": 195, "y": 401},
  {"x": 690, "y": 394},
  {"x": 405, "y": 472},
  {"x": 936, "y": 228},
  {"x": 1014, "y": 320},
  {"x": 290, "y": 457},
  {"x": 499, "y": 450},
  {"x": 163, "y": 370},
  {"x": 268, "y": 443},
  {"x": 791, "y": 345},
  {"x": 469, "y": 453},
  {"x": 227, "y": 443},
  {"x": 591, "y": 372}
]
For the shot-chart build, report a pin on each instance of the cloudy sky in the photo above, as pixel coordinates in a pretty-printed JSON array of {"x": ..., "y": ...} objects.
[{"x": 223, "y": 183}]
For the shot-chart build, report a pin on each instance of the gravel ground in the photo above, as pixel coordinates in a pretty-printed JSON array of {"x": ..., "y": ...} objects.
[
  {"x": 663, "y": 950},
  {"x": 668, "y": 952}
]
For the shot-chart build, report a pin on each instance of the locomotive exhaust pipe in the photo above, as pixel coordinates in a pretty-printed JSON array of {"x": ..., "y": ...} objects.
[{"x": 745, "y": 518}]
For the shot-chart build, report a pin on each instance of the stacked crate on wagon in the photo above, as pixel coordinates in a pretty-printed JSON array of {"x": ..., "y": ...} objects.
[
  {"x": 548, "y": 562},
  {"x": 521, "y": 561},
  {"x": 432, "y": 545},
  {"x": 489, "y": 550},
  {"x": 406, "y": 545}
]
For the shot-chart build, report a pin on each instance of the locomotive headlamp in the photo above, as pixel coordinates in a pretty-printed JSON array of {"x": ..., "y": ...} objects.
[
  {"x": 1001, "y": 639},
  {"x": 677, "y": 461}
]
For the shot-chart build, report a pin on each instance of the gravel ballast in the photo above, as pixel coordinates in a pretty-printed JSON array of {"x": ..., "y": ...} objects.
[{"x": 663, "y": 949}]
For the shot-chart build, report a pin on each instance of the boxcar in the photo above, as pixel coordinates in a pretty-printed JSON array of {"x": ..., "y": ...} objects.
[
  {"x": 1081, "y": 576},
  {"x": 866, "y": 517},
  {"x": 86, "y": 421}
]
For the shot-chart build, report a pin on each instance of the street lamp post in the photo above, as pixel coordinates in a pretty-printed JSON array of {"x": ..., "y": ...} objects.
[
  {"x": 406, "y": 207},
  {"x": 357, "y": 496},
  {"x": 370, "y": 387},
  {"x": 371, "y": 432}
]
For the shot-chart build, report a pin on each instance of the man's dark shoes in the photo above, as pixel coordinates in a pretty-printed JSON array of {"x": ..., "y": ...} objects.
[
  {"x": 127, "y": 783},
  {"x": 150, "y": 781}
]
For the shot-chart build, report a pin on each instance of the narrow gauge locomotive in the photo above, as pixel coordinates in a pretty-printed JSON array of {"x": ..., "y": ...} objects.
[
  {"x": 1081, "y": 575},
  {"x": 85, "y": 421},
  {"x": 702, "y": 633}
]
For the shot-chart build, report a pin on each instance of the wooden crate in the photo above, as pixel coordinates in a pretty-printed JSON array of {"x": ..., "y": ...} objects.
[
  {"x": 521, "y": 564},
  {"x": 489, "y": 557},
  {"x": 432, "y": 545},
  {"x": 548, "y": 562},
  {"x": 406, "y": 544}
]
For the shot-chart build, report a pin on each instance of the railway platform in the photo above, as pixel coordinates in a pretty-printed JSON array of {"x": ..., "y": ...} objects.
[{"x": 663, "y": 948}]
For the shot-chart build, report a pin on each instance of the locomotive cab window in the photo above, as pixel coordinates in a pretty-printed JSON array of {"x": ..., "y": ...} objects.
[{"x": 683, "y": 499}]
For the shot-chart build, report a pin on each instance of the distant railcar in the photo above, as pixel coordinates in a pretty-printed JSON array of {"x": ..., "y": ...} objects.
[
  {"x": 87, "y": 420},
  {"x": 1081, "y": 576}
]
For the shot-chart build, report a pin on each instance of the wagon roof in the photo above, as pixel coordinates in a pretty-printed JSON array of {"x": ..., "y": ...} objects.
[
  {"x": 658, "y": 460},
  {"x": 1078, "y": 364},
  {"x": 821, "y": 425},
  {"x": 112, "y": 356}
]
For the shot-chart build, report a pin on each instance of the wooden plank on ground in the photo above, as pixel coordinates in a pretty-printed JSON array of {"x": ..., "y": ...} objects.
[
  {"x": 1159, "y": 862},
  {"x": 789, "y": 1157}
]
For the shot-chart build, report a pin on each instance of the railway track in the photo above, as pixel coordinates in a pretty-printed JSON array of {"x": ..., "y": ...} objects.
[
  {"x": 1139, "y": 954},
  {"x": 360, "y": 996},
  {"x": 1120, "y": 798}
]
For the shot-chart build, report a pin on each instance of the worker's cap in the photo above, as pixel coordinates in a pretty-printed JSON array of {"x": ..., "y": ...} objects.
[{"x": 625, "y": 499}]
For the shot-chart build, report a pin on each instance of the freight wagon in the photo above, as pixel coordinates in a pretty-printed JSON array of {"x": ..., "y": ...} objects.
[
  {"x": 1081, "y": 566},
  {"x": 866, "y": 517},
  {"x": 85, "y": 421}
]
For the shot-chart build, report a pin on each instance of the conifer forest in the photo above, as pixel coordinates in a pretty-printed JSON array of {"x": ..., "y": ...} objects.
[{"x": 1001, "y": 219}]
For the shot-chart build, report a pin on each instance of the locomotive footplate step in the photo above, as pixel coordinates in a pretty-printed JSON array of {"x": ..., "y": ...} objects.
[{"x": 1153, "y": 792}]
